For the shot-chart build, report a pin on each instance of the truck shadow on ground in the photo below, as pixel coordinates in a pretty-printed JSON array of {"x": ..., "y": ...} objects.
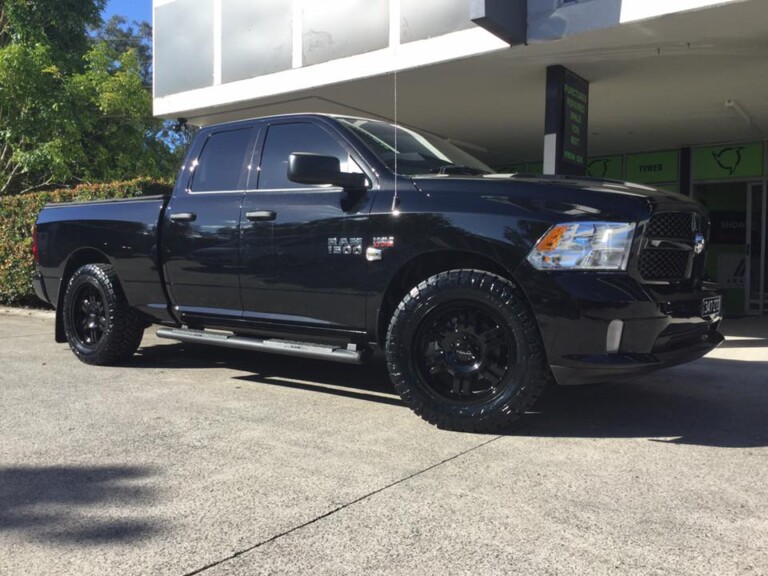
[
  {"x": 51, "y": 503},
  {"x": 368, "y": 382},
  {"x": 710, "y": 402}
]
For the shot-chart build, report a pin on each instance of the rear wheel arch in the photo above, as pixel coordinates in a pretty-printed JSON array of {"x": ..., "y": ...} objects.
[
  {"x": 100, "y": 326},
  {"x": 76, "y": 260}
]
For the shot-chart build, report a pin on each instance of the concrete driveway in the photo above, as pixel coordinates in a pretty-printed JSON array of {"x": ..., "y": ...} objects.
[{"x": 207, "y": 461}]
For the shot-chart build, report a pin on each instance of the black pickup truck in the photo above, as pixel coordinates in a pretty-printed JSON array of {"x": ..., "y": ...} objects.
[{"x": 327, "y": 236}]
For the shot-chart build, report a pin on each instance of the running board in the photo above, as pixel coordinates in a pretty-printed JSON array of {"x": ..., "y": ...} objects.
[{"x": 286, "y": 347}]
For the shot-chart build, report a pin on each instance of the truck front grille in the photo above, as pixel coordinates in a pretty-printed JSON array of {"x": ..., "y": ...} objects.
[
  {"x": 663, "y": 264},
  {"x": 675, "y": 225},
  {"x": 668, "y": 253}
]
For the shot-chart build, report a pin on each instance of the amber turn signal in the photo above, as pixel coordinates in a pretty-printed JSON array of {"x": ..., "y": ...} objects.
[{"x": 551, "y": 239}]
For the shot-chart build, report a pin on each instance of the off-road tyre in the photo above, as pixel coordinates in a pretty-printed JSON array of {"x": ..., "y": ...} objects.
[
  {"x": 101, "y": 328},
  {"x": 425, "y": 347}
]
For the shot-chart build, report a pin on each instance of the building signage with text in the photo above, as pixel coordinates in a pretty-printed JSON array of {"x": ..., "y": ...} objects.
[
  {"x": 653, "y": 167},
  {"x": 567, "y": 122}
]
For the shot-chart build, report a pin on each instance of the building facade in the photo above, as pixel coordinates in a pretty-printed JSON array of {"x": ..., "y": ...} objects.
[{"x": 678, "y": 92}]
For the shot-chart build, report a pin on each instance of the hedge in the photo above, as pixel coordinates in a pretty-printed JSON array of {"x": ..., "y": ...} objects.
[{"x": 17, "y": 218}]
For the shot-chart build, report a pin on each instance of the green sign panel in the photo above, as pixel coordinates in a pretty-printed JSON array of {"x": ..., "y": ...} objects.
[
  {"x": 610, "y": 167},
  {"x": 728, "y": 162},
  {"x": 653, "y": 167}
]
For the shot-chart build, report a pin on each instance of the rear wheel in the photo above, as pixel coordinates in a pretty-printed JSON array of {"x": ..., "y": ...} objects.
[
  {"x": 464, "y": 351},
  {"x": 100, "y": 326}
]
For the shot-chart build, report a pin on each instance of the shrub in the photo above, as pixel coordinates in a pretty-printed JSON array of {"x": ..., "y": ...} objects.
[{"x": 17, "y": 218}]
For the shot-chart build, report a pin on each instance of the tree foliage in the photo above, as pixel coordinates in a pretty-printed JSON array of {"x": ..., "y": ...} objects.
[
  {"x": 62, "y": 25},
  {"x": 122, "y": 36},
  {"x": 75, "y": 106}
]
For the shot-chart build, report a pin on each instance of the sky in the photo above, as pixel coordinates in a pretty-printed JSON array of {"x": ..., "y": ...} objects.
[{"x": 131, "y": 9}]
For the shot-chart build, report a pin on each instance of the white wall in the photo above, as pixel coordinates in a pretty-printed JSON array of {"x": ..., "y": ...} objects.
[{"x": 242, "y": 51}]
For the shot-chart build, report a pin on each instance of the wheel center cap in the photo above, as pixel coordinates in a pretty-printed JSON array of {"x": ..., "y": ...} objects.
[
  {"x": 464, "y": 354},
  {"x": 466, "y": 350}
]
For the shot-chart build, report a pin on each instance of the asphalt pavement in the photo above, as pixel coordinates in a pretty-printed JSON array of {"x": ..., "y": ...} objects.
[{"x": 193, "y": 460}]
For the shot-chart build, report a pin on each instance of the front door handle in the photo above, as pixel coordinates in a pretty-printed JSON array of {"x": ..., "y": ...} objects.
[
  {"x": 184, "y": 217},
  {"x": 260, "y": 215}
]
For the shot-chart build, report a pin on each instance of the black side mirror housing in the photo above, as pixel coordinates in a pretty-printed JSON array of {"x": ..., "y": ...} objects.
[{"x": 306, "y": 168}]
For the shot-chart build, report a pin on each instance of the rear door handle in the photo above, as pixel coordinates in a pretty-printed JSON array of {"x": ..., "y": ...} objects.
[
  {"x": 184, "y": 217},
  {"x": 260, "y": 215}
]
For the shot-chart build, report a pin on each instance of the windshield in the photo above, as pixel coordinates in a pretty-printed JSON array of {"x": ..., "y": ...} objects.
[{"x": 412, "y": 152}]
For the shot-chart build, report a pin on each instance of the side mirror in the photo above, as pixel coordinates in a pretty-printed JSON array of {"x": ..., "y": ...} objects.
[{"x": 305, "y": 168}]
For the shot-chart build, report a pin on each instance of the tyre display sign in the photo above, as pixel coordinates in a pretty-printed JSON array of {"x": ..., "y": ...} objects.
[{"x": 653, "y": 167}]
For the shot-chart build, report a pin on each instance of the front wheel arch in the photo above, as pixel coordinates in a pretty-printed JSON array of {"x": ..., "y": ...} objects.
[{"x": 423, "y": 266}]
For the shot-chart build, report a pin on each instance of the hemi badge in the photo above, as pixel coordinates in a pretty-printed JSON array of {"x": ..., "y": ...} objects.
[{"x": 383, "y": 241}]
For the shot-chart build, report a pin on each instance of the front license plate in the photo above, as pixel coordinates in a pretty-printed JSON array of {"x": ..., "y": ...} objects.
[{"x": 711, "y": 306}]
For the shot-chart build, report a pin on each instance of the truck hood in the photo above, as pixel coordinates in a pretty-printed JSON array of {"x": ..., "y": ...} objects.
[
  {"x": 553, "y": 197},
  {"x": 548, "y": 184}
]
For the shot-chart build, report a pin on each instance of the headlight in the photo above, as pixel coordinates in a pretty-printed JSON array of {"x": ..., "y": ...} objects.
[{"x": 584, "y": 246}]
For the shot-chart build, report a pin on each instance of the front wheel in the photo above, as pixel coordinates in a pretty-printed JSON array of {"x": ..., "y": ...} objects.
[
  {"x": 100, "y": 326},
  {"x": 464, "y": 351}
]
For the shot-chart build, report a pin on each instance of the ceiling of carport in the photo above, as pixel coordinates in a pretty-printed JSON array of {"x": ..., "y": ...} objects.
[{"x": 655, "y": 84}]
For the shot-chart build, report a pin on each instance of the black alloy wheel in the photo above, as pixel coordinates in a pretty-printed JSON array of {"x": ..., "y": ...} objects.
[
  {"x": 464, "y": 351},
  {"x": 89, "y": 315},
  {"x": 100, "y": 325}
]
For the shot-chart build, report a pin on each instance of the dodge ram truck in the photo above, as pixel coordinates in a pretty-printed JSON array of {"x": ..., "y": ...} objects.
[{"x": 324, "y": 236}]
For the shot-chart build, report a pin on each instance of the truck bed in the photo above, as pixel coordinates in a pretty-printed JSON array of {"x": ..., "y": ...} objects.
[{"x": 122, "y": 232}]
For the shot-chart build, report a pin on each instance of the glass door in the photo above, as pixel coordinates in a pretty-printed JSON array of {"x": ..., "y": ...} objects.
[
  {"x": 756, "y": 268},
  {"x": 726, "y": 255}
]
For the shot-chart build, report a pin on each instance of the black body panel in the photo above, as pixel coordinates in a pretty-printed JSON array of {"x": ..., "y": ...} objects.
[
  {"x": 123, "y": 233},
  {"x": 289, "y": 273}
]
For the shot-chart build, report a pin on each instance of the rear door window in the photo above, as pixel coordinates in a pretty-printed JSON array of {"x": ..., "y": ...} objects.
[{"x": 221, "y": 164}]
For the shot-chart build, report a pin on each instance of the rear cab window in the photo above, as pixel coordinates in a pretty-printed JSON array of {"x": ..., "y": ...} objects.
[{"x": 220, "y": 167}]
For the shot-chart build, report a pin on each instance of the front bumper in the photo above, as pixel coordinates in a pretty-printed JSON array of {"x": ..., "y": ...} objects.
[{"x": 661, "y": 326}]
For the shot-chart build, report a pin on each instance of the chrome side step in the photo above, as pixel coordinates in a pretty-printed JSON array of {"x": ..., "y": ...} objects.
[{"x": 286, "y": 347}]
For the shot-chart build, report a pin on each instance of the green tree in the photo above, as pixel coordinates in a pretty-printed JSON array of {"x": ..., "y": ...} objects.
[
  {"x": 62, "y": 25},
  {"x": 122, "y": 36},
  {"x": 38, "y": 141},
  {"x": 76, "y": 106}
]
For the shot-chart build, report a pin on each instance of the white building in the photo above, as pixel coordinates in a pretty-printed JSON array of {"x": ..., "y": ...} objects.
[{"x": 678, "y": 88}]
